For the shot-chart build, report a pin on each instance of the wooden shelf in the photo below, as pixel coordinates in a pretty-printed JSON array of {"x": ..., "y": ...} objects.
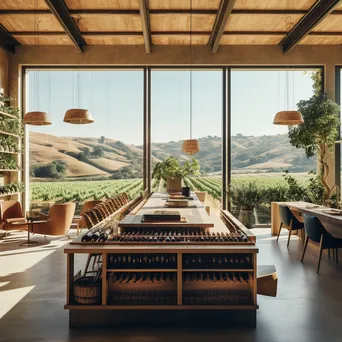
[
  {"x": 10, "y": 134},
  {"x": 8, "y": 152},
  {"x": 219, "y": 270},
  {"x": 8, "y": 115},
  {"x": 9, "y": 170},
  {"x": 11, "y": 194},
  {"x": 160, "y": 307},
  {"x": 138, "y": 270}
]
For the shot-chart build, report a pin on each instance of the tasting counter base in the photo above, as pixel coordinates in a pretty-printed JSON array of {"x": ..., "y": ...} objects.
[{"x": 161, "y": 318}]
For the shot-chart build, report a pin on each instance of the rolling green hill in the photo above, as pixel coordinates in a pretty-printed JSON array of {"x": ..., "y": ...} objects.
[{"x": 91, "y": 157}]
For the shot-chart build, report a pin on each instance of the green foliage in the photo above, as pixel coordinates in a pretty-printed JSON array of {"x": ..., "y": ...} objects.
[
  {"x": 8, "y": 162},
  {"x": 102, "y": 139},
  {"x": 321, "y": 124},
  {"x": 12, "y": 188},
  {"x": 172, "y": 168},
  {"x": 245, "y": 195},
  {"x": 56, "y": 169},
  {"x": 98, "y": 152},
  {"x": 5, "y": 106}
]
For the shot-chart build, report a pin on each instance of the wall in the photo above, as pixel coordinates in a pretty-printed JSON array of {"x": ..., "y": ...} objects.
[
  {"x": 4, "y": 68},
  {"x": 328, "y": 56}
]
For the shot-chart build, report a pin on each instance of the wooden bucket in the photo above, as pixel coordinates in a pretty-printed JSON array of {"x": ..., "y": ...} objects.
[{"x": 87, "y": 292}]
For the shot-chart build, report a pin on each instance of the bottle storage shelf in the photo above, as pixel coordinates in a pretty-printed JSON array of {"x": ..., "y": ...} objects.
[
  {"x": 9, "y": 134},
  {"x": 8, "y": 115}
]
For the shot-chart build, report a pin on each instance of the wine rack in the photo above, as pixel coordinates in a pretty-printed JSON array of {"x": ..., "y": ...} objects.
[
  {"x": 217, "y": 261},
  {"x": 142, "y": 288},
  {"x": 143, "y": 261},
  {"x": 179, "y": 236}
]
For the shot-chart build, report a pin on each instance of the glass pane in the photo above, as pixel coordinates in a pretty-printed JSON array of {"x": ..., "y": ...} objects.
[
  {"x": 171, "y": 125},
  {"x": 261, "y": 151},
  {"x": 83, "y": 162}
]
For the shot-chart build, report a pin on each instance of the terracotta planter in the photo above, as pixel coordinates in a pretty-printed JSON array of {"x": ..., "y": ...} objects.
[{"x": 173, "y": 184}]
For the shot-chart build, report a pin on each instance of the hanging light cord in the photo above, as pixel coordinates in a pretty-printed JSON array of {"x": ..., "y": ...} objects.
[{"x": 190, "y": 59}]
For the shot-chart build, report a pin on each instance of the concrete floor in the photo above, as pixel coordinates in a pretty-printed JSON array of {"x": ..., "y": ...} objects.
[{"x": 308, "y": 306}]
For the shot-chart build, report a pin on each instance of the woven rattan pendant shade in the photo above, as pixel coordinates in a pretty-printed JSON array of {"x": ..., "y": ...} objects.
[
  {"x": 191, "y": 146},
  {"x": 78, "y": 116},
  {"x": 36, "y": 119},
  {"x": 288, "y": 118}
]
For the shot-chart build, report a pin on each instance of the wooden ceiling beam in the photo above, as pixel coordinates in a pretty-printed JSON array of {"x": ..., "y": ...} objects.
[
  {"x": 145, "y": 23},
  {"x": 313, "y": 17},
  {"x": 163, "y": 11},
  {"x": 158, "y": 33},
  {"x": 60, "y": 11},
  {"x": 223, "y": 13},
  {"x": 7, "y": 41}
]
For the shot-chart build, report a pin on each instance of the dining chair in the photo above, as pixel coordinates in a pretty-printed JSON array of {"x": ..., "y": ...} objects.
[
  {"x": 289, "y": 221},
  {"x": 316, "y": 232}
]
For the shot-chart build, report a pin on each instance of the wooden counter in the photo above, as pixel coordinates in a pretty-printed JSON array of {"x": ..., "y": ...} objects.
[
  {"x": 182, "y": 289},
  {"x": 332, "y": 223}
]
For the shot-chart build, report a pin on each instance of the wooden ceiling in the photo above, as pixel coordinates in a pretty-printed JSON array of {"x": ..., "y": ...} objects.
[{"x": 169, "y": 22}]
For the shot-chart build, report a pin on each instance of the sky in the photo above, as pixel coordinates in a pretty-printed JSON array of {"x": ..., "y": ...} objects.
[{"x": 115, "y": 98}]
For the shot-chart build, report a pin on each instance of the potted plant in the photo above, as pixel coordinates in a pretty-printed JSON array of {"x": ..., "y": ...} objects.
[
  {"x": 246, "y": 198},
  {"x": 172, "y": 172}
]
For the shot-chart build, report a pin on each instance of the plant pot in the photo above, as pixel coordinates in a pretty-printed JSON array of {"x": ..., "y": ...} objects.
[
  {"x": 246, "y": 216},
  {"x": 173, "y": 184}
]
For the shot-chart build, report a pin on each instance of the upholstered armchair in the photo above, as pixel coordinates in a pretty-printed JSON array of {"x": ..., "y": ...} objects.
[
  {"x": 10, "y": 212},
  {"x": 57, "y": 222}
]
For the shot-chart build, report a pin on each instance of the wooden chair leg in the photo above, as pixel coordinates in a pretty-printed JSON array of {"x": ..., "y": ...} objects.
[
  {"x": 329, "y": 253},
  {"x": 87, "y": 264},
  {"x": 304, "y": 249},
  {"x": 320, "y": 253},
  {"x": 281, "y": 224},
  {"x": 288, "y": 239},
  {"x": 336, "y": 256}
]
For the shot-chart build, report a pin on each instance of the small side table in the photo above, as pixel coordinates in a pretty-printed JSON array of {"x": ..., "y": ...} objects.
[{"x": 29, "y": 222}]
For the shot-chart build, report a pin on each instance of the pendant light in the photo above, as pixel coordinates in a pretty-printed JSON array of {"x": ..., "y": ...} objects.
[
  {"x": 36, "y": 118},
  {"x": 288, "y": 117},
  {"x": 78, "y": 116},
  {"x": 191, "y": 146}
]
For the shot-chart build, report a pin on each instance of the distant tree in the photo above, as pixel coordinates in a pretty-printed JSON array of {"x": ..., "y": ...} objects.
[
  {"x": 102, "y": 139},
  {"x": 46, "y": 171},
  {"x": 98, "y": 152},
  {"x": 86, "y": 152}
]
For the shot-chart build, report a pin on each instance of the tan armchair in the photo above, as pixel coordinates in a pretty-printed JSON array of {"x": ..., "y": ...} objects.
[
  {"x": 10, "y": 212},
  {"x": 57, "y": 222}
]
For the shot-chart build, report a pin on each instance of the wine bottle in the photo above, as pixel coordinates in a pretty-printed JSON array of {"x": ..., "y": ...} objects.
[
  {"x": 87, "y": 237},
  {"x": 95, "y": 236}
]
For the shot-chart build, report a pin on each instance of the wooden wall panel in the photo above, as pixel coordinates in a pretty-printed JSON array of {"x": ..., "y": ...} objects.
[
  {"x": 28, "y": 22},
  {"x": 274, "y": 4},
  {"x": 110, "y": 22},
  {"x": 181, "y": 22},
  {"x": 321, "y": 40},
  {"x": 114, "y": 40},
  {"x": 184, "y": 4},
  {"x": 44, "y": 40},
  {"x": 22, "y": 4},
  {"x": 250, "y": 40},
  {"x": 103, "y": 4},
  {"x": 264, "y": 22},
  {"x": 179, "y": 39},
  {"x": 333, "y": 22}
]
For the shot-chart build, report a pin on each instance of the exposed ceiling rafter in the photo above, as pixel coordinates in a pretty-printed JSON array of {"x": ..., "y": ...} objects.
[
  {"x": 222, "y": 16},
  {"x": 313, "y": 17},
  {"x": 145, "y": 23},
  {"x": 7, "y": 41},
  {"x": 60, "y": 11}
]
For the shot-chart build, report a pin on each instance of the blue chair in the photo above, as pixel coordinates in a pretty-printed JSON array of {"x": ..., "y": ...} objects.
[
  {"x": 316, "y": 232},
  {"x": 289, "y": 221}
]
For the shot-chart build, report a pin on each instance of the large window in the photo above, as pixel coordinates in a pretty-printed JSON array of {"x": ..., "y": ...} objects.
[
  {"x": 83, "y": 162},
  {"x": 170, "y": 109},
  {"x": 261, "y": 151}
]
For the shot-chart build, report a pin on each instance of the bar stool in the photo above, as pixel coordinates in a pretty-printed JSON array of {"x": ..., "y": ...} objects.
[
  {"x": 316, "y": 232},
  {"x": 289, "y": 221}
]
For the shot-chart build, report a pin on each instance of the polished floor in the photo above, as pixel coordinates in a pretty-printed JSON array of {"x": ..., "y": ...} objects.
[{"x": 308, "y": 306}]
